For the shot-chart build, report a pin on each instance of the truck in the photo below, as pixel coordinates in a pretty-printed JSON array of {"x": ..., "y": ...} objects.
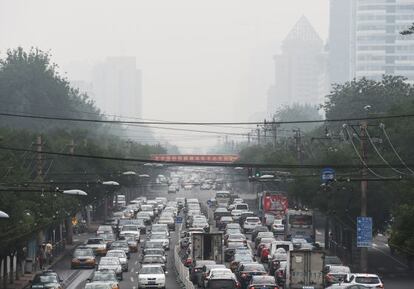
[
  {"x": 208, "y": 246},
  {"x": 273, "y": 205},
  {"x": 305, "y": 270}
]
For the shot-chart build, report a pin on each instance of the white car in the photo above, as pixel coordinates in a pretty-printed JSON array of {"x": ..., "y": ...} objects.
[
  {"x": 131, "y": 230},
  {"x": 277, "y": 227},
  {"x": 151, "y": 276},
  {"x": 111, "y": 263},
  {"x": 367, "y": 280},
  {"x": 250, "y": 223},
  {"x": 236, "y": 214},
  {"x": 120, "y": 254},
  {"x": 216, "y": 271}
]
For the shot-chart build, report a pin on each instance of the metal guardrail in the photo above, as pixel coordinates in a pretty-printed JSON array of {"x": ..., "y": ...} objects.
[{"x": 182, "y": 271}]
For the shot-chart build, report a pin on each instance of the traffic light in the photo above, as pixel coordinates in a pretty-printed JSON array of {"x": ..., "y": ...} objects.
[
  {"x": 249, "y": 172},
  {"x": 257, "y": 173}
]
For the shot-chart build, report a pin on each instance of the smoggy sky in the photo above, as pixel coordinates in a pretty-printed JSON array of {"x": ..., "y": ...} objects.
[{"x": 201, "y": 60}]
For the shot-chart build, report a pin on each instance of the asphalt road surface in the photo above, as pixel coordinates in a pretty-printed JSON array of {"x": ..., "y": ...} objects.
[{"x": 392, "y": 269}]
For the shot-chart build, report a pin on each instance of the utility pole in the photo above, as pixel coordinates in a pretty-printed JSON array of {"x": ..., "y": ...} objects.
[
  {"x": 72, "y": 147},
  {"x": 258, "y": 135},
  {"x": 298, "y": 141},
  {"x": 274, "y": 132},
  {"x": 248, "y": 138},
  {"x": 68, "y": 220},
  {"x": 39, "y": 158},
  {"x": 364, "y": 186}
]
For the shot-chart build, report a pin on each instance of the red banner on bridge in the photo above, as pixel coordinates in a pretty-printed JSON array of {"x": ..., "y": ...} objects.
[{"x": 196, "y": 158}]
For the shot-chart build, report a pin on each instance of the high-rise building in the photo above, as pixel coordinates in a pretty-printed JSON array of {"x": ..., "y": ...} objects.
[
  {"x": 378, "y": 47},
  {"x": 117, "y": 85},
  {"x": 300, "y": 69},
  {"x": 340, "y": 38}
]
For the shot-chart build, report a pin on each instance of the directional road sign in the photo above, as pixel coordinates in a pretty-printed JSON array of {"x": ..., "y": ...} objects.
[
  {"x": 179, "y": 220},
  {"x": 327, "y": 175},
  {"x": 364, "y": 232}
]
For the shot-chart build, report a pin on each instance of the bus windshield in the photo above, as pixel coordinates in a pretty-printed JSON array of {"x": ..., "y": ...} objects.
[
  {"x": 222, "y": 195},
  {"x": 300, "y": 220}
]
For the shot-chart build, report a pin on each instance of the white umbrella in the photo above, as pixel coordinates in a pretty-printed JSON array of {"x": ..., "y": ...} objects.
[
  {"x": 74, "y": 192},
  {"x": 110, "y": 183},
  {"x": 3, "y": 215}
]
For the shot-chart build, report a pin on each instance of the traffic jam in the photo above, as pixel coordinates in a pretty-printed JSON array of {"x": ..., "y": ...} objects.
[{"x": 225, "y": 242}]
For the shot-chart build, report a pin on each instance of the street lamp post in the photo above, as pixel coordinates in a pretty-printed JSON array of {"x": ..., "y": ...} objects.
[{"x": 108, "y": 184}]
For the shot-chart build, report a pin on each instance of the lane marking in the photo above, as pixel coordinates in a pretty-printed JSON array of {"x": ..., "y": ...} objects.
[
  {"x": 132, "y": 279},
  {"x": 136, "y": 262}
]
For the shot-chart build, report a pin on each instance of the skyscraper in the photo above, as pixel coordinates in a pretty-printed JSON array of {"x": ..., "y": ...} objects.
[
  {"x": 378, "y": 46},
  {"x": 300, "y": 69},
  {"x": 340, "y": 38},
  {"x": 117, "y": 85}
]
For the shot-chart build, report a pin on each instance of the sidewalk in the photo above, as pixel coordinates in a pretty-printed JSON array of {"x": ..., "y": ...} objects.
[{"x": 24, "y": 280}]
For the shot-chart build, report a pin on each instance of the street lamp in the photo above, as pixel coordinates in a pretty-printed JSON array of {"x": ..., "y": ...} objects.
[{"x": 4, "y": 215}]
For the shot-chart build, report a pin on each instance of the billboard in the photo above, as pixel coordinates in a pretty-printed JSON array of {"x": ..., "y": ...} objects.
[{"x": 195, "y": 158}]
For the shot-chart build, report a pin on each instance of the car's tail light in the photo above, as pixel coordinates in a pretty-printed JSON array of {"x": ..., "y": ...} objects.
[
  {"x": 252, "y": 287},
  {"x": 280, "y": 273},
  {"x": 265, "y": 252},
  {"x": 244, "y": 275},
  {"x": 238, "y": 285}
]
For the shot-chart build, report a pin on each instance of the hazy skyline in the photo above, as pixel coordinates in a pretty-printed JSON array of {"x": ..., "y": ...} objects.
[{"x": 201, "y": 60}]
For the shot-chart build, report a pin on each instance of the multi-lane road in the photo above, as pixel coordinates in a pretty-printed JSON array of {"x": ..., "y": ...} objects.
[{"x": 393, "y": 270}]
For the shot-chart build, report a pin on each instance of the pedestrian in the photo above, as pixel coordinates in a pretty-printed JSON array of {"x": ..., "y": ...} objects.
[
  {"x": 40, "y": 257},
  {"x": 49, "y": 252}
]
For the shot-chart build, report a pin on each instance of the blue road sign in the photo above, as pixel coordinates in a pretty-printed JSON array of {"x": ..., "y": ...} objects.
[
  {"x": 179, "y": 220},
  {"x": 364, "y": 232},
  {"x": 328, "y": 174}
]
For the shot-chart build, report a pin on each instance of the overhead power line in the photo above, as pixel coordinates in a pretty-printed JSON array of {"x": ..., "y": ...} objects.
[
  {"x": 201, "y": 164},
  {"x": 201, "y": 123}
]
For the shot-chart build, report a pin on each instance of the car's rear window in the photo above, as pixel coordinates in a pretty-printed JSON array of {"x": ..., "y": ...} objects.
[
  {"x": 253, "y": 267},
  {"x": 252, "y": 219},
  {"x": 221, "y": 284},
  {"x": 367, "y": 280}
]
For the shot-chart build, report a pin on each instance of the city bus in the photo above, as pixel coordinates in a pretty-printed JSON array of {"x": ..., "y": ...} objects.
[
  {"x": 223, "y": 198},
  {"x": 300, "y": 224}
]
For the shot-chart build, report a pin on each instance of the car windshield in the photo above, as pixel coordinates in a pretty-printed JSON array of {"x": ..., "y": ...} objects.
[
  {"x": 227, "y": 283},
  {"x": 154, "y": 251},
  {"x": 243, "y": 257},
  {"x": 45, "y": 279},
  {"x": 119, "y": 244},
  {"x": 153, "y": 244},
  {"x": 97, "y": 286},
  {"x": 82, "y": 253},
  {"x": 109, "y": 261},
  {"x": 95, "y": 241},
  {"x": 104, "y": 276},
  {"x": 253, "y": 267},
  {"x": 237, "y": 237},
  {"x": 116, "y": 254},
  {"x": 264, "y": 280},
  {"x": 367, "y": 280},
  {"x": 252, "y": 219},
  {"x": 152, "y": 259},
  {"x": 129, "y": 228},
  {"x": 151, "y": 270}
]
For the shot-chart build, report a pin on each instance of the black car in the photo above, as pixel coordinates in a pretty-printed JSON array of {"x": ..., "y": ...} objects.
[
  {"x": 262, "y": 282},
  {"x": 196, "y": 270},
  {"x": 231, "y": 249},
  {"x": 246, "y": 271},
  {"x": 47, "y": 279},
  {"x": 244, "y": 215},
  {"x": 257, "y": 230},
  {"x": 121, "y": 245}
]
